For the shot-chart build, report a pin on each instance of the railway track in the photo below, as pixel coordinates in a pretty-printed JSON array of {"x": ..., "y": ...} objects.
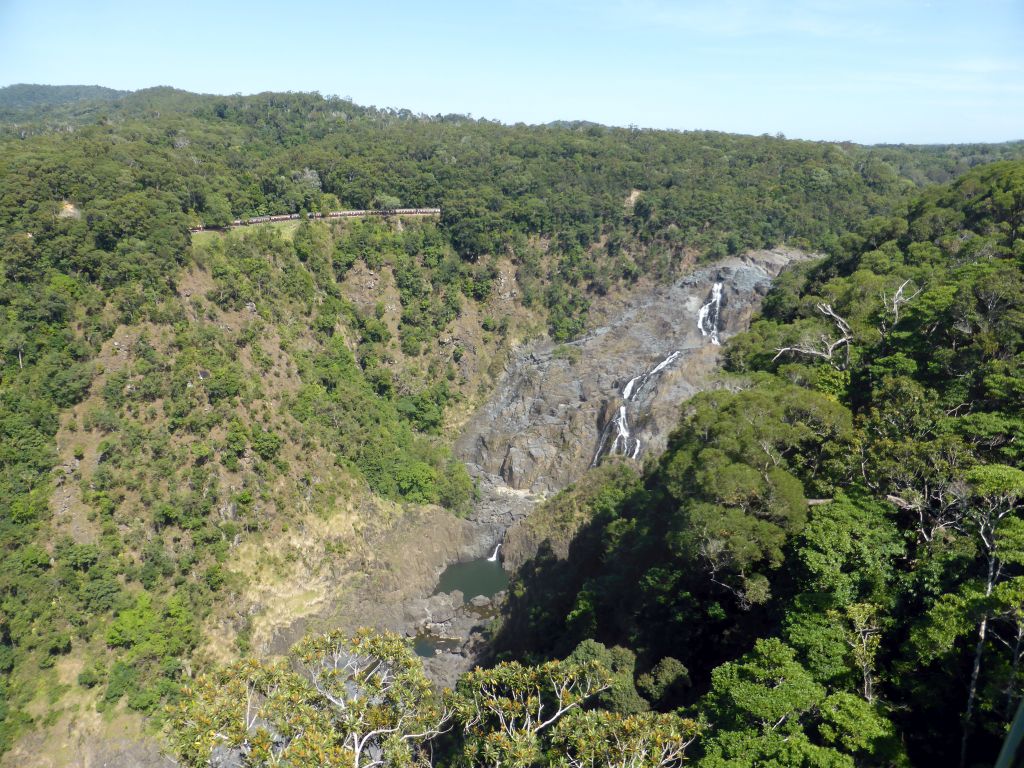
[{"x": 330, "y": 215}]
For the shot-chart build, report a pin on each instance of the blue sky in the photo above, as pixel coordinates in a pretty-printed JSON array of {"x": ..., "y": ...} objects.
[{"x": 863, "y": 70}]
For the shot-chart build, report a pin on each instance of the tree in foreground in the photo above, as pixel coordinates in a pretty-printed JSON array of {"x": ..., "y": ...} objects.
[
  {"x": 767, "y": 710},
  {"x": 360, "y": 700},
  {"x": 602, "y": 739},
  {"x": 504, "y": 710},
  {"x": 363, "y": 700}
]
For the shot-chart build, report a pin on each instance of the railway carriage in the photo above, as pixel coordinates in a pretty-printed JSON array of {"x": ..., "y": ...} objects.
[{"x": 330, "y": 215}]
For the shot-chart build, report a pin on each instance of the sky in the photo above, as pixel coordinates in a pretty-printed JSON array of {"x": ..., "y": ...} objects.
[{"x": 893, "y": 71}]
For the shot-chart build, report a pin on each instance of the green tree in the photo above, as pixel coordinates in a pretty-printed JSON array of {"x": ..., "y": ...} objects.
[
  {"x": 361, "y": 701},
  {"x": 597, "y": 738},
  {"x": 504, "y": 710},
  {"x": 768, "y": 710},
  {"x": 991, "y": 517}
]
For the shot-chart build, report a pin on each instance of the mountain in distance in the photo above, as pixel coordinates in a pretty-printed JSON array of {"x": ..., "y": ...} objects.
[{"x": 26, "y": 97}]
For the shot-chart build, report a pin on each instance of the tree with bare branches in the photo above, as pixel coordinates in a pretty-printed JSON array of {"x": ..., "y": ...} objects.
[
  {"x": 504, "y": 709},
  {"x": 379, "y": 697},
  {"x": 825, "y": 347},
  {"x": 360, "y": 701}
]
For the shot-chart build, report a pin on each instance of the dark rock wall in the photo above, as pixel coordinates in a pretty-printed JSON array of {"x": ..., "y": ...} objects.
[{"x": 540, "y": 430}]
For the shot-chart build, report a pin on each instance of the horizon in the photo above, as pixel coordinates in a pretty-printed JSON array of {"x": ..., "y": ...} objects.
[
  {"x": 904, "y": 72},
  {"x": 425, "y": 115}
]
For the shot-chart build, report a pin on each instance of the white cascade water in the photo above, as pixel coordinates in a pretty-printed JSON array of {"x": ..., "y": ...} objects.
[
  {"x": 636, "y": 385},
  {"x": 630, "y": 393},
  {"x": 623, "y": 425},
  {"x": 707, "y": 317},
  {"x": 494, "y": 555},
  {"x": 667, "y": 361}
]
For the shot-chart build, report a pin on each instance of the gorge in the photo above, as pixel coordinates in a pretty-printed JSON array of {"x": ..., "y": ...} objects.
[{"x": 552, "y": 416}]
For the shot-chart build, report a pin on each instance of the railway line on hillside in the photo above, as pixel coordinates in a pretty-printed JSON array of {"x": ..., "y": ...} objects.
[{"x": 357, "y": 213}]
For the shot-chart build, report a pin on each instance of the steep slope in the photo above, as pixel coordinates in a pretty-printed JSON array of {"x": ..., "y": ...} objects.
[
  {"x": 545, "y": 415},
  {"x": 231, "y": 466},
  {"x": 556, "y": 411}
]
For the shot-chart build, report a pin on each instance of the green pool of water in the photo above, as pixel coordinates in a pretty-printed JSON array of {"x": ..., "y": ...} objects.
[
  {"x": 427, "y": 646},
  {"x": 476, "y": 577}
]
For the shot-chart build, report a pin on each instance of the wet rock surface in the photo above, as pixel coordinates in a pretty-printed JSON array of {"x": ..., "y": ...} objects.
[{"x": 542, "y": 428}]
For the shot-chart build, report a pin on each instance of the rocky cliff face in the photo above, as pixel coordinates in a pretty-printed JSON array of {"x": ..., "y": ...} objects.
[{"x": 618, "y": 389}]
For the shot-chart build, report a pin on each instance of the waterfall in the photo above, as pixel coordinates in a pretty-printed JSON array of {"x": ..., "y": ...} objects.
[
  {"x": 631, "y": 392},
  {"x": 707, "y": 317},
  {"x": 661, "y": 366},
  {"x": 624, "y": 443},
  {"x": 602, "y": 441},
  {"x": 494, "y": 555},
  {"x": 623, "y": 426}
]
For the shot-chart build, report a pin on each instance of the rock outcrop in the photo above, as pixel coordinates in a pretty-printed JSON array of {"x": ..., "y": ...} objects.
[{"x": 543, "y": 427}]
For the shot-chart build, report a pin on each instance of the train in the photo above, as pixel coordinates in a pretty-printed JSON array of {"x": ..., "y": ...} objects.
[{"x": 328, "y": 215}]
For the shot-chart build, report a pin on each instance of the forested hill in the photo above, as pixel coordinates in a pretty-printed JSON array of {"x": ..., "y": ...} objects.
[
  {"x": 32, "y": 101},
  {"x": 826, "y": 563},
  {"x": 174, "y": 411},
  {"x": 208, "y": 159}
]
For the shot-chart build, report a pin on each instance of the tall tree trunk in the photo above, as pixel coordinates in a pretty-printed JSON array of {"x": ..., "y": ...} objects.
[
  {"x": 1010, "y": 685},
  {"x": 979, "y": 649},
  {"x": 973, "y": 690}
]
